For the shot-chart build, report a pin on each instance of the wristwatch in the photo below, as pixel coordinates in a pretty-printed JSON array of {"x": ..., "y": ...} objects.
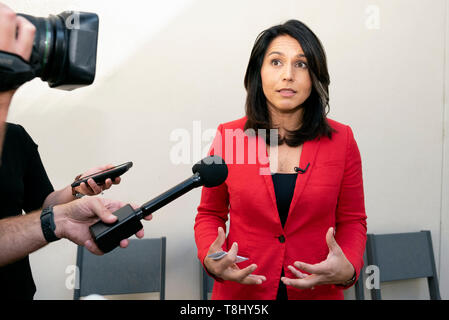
[{"x": 48, "y": 224}]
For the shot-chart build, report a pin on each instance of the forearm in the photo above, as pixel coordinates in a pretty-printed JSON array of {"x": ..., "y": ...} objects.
[
  {"x": 351, "y": 237},
  {"x": 5, "y": 98},
  {"x": 205, "y": 233},
  {"x": 19, "y": 236},
  {"x": 59, "y": 197}
]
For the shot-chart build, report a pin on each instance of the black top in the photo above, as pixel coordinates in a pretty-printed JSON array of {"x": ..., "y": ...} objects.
[
  {"x": 284, "y": 187},
  {"x": 24, "y": 185}
]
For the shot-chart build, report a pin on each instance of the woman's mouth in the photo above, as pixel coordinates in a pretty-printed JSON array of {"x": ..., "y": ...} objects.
[{"x": 287, "y": 92}]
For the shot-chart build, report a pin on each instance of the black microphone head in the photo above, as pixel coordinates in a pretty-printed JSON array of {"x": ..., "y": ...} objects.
[{"x": 212, "y": 170}]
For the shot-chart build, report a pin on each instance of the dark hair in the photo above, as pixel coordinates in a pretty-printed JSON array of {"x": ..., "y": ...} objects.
[{"x": 316, "y": 105}]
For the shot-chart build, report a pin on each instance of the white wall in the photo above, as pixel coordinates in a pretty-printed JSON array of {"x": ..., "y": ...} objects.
[
  {"x": 444, "y": 249},
  {"x": 164, "y": 65}
]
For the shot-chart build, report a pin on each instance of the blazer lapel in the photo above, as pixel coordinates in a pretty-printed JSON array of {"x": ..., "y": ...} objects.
[
  {"x": 264, "y": 170},
  {"x": 308, "y": 155}
]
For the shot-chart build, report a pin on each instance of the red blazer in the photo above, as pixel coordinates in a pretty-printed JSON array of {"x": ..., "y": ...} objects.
[{"x": 328, "y": 194}]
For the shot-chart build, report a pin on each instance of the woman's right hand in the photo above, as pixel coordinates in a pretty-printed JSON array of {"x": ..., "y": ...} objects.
[{"x": 226, "y": 268}]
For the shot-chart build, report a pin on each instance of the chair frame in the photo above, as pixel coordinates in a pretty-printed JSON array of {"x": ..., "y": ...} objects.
[
  {"x": 205, "y": 281},
  {"x": 432, "y": 280}
]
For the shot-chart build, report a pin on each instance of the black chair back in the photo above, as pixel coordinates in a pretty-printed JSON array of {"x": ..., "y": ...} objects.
[{"x": 140, "y": 268}]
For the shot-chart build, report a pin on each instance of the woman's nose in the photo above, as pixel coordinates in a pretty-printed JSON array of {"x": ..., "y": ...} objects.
[{"x": 288, "y": 73}]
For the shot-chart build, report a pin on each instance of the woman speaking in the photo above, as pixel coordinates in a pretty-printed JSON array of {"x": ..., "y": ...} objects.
[{"x": 295, "y": 203}]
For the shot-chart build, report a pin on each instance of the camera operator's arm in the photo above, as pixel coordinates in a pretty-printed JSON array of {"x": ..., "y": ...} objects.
[
  {"x": 90, "y": 189},
  {"x": 22, "y": 235},
  {"x": 22, "y": 45}
]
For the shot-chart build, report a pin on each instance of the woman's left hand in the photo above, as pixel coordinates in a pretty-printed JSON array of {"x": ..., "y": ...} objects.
[
  {"x": 91, "y": 188},
  {"x": 336, "y": 269}
]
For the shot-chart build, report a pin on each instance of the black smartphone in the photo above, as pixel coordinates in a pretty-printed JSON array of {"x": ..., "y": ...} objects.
[{"x": 101, "y": 176}]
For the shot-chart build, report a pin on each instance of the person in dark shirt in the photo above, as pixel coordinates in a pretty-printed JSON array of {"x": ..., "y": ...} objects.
[{"x": 24, "y": 186}]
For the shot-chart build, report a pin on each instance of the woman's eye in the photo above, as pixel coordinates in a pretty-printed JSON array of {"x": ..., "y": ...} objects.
[
  {"x": 275, "y": 62},
  {"x": 301, "y": 65}
]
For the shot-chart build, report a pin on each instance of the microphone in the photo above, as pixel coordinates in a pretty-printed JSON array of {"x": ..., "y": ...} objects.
[
  {"x": 211, "y": 171},
  {"x": 302, "y": 171}
]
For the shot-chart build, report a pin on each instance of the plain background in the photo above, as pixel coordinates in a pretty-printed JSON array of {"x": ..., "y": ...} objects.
[{"x": 174, "y": 66}]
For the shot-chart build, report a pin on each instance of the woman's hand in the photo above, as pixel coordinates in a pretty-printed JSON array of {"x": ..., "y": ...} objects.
[
  {"x": 91, "y": 188},
  {"x": 336, "y": 269},
  {"x": 226, "y": 268}
]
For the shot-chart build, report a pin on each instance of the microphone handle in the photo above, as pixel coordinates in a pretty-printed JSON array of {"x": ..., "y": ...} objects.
[
  {"x": 169, "y": 195},
  {"x": 108, "y": 236}
]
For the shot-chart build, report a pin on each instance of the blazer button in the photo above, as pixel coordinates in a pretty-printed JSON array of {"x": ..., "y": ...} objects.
[{"x": 281, "y": 239}]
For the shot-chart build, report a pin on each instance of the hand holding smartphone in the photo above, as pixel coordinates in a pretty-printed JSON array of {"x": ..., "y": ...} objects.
[{"x": 101, "y": 176}]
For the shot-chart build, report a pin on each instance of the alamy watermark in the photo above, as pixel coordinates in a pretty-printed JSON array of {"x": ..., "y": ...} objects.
[
  {"x": 373, "y": 280},
  {"x": 72, "y": 22},
  {"x": 372, "y": 20},
  {"x": 235, "y": 146},
  {"x": 72, "y": 280}
]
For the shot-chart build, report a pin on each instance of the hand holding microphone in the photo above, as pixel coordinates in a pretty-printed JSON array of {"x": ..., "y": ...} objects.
[{"x": 209, "y": 172}]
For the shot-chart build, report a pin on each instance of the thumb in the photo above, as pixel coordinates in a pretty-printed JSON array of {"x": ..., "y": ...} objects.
[
  {"x": 331, "y": 242},
  {"x": 232, "y": 253},
  {"x": 97, "y": 206},
  {"x": 219, "y": 241}
]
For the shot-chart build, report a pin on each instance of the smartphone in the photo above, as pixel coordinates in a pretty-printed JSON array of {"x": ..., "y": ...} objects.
[{"x": 101, "y": 176}]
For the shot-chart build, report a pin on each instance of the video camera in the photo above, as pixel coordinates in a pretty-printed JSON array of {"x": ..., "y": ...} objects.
[{"x": 64, "y": 53}]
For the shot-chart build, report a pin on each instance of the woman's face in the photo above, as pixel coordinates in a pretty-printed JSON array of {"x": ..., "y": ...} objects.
[{"x": 285, "y": 76}]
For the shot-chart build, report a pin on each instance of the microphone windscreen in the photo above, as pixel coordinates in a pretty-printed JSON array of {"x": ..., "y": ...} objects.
[{"x": 213, "y": 171}]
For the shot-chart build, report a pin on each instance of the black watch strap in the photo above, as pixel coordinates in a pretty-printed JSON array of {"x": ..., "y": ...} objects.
[{"x": 48, "y": 224}]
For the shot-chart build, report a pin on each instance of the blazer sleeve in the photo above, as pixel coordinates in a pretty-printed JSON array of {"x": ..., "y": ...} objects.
[
  {"x": 213, "y": 209},
  {"x": 350, "y": 215}
]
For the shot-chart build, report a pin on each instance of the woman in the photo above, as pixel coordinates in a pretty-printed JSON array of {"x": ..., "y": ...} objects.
[{"x": 303, "y": 227}]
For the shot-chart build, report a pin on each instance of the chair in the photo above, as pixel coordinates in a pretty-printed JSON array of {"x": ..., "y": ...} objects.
[
  {"x": 207, "y": 284},
  {"x": 140, "y": 268},
  {"x": 358, "y": 286},
  {"x": 402, "y": 256}
]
